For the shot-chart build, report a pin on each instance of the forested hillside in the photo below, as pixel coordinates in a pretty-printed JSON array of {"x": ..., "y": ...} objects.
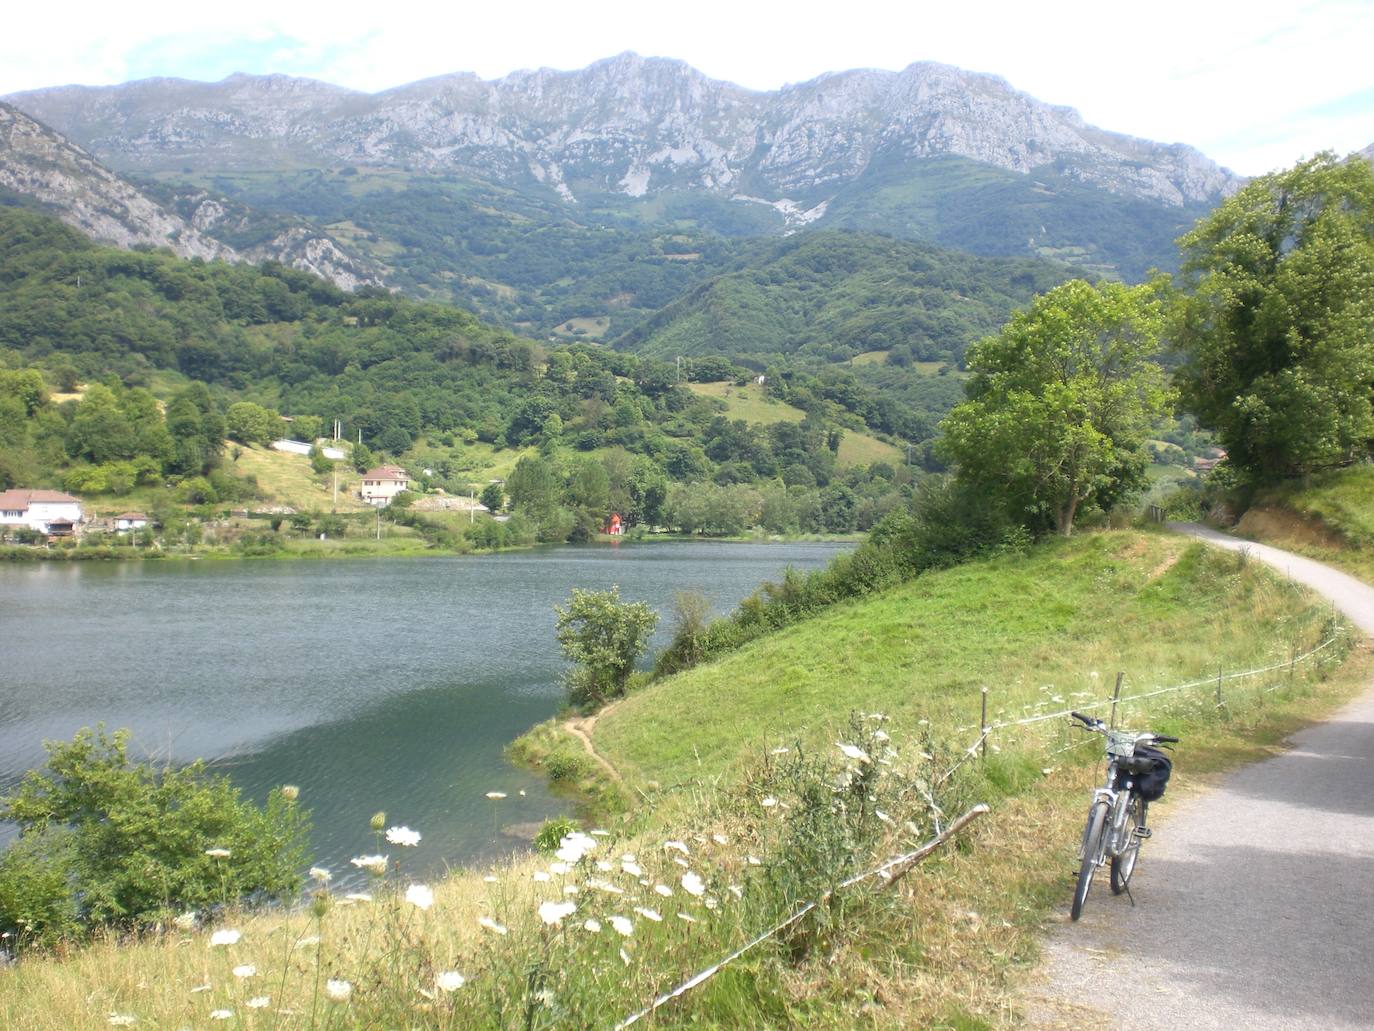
[
  {"x": 833, "y": 295},
  {"x": 587, "y": 430}
]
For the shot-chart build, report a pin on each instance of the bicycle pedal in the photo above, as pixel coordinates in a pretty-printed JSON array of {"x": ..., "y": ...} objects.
[{"x": 1143, "y": 832}]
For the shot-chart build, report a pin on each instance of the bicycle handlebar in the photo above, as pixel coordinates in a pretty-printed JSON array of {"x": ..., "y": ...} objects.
[{"x": 1095, "y": 724}]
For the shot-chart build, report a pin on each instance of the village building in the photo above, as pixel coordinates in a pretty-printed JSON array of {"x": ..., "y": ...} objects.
[
  {"x": 382, "y": 484},
  {"x": 45, "y": 511},
  {"x": 130, "y": 521}
]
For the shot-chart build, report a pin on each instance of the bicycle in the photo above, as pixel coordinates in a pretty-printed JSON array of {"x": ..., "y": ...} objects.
[{"x": 1137, "y": 773}]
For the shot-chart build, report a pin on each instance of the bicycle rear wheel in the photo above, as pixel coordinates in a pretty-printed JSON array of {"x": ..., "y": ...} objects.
[
  {"x": 1124, "y": 865},
  {"x": 1092, "y": 854}
]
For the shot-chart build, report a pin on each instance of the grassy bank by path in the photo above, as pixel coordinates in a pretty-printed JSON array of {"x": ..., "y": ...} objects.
[
  {"x": 947, "y": 948},
  {"x": 1035, "y": 631},
  {"x": 1330, "y": 518}
]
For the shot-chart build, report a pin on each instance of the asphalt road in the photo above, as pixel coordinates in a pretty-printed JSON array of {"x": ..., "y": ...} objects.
[{"x": 1254, "y": 898}]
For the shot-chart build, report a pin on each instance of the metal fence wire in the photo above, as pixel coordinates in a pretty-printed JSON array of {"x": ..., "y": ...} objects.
[{"x": 893, "y": 869}]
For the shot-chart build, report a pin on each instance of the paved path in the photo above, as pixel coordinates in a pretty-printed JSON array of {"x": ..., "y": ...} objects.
[{"x": 1254, "y": 900}]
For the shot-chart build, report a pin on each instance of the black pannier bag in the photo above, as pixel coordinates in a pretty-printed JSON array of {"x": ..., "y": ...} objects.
[{"x": 1150, "y": 781}]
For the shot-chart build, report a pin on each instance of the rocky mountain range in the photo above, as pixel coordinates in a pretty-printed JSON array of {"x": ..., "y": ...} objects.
[
  {"x": 41, "y": 166},
  {"x": 629, "y": 125}
]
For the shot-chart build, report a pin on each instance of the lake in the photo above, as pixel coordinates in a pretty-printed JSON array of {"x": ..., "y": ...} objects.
[{"x": 372, "y": 684}]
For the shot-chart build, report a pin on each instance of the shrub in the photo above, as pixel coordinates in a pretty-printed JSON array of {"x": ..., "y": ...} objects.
[
  {"x": 109, "y": 842},
  {"x": 603, "y": 637},
  {"x": 553, "y": 832}
]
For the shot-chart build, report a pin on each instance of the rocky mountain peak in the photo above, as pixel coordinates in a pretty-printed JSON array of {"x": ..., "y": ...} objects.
[{"x": 630, "y": 124}]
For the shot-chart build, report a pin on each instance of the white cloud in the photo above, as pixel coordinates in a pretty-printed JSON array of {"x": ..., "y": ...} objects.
[{"x": 1232, "y": 78}]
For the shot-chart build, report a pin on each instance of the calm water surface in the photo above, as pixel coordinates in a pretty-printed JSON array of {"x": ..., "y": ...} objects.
[{"x": 372, "y": 684}]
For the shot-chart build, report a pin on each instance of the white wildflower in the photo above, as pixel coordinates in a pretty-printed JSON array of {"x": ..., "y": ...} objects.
[
  {"x": 358, "y": 896},
  {"x": 338, "y": 989},
  {"x": 554, "y": 912},
  {"x": 123, "y": 1019},
  {"x": 853, "y": 752},
  {"x": 449, "y": 981},
  {"x": 245, "y": 970},
  {"x": 720, "y": 839},
  {"x": 290, "y": 792},
  {"x": 218, "y": 853},
  {"x": 622, "y": 926},
  {"x": 604, "y": 866},
  {"x": 632, "y": 868},
  {"x": 601, "y": 834},
  {"x": 592, "y": 925},
  {"x": 305, "y": 943},
  {"x": 200, "y": 988},
  {"x": 221, "y": 1014},
  {"x": 884, "y": 817},
  {"x": 496, "y": 795},
  {"x": 320, "y": 875},
  {"x": 681, "y": 862},
  {"x": 736, "y": 890},
  {"x": 649, "y": 914},
  {"x": 663, "y": 890},
  {"x": 689, "y": 919},
  {"x": 753, "y": 860},
  {"x": 540, "y": 876},
  {"x": 781, "y": 750},
  {"x": 225, "y": 937},
  {"x": 693, "y": 885},
  {"x": 372, "y": 864},
  {"x": 185, "y": 921},
  {"x": 881, "y": 736},
  {"x": 769, "y": 802},
  {"x": 490, "y": 924},
  {"x": 605, "y": 886},
  {"x": 258, "y": 1002},
  {"x": 624, "y": 957},
  {"x": 679, "y": 846},
  {"x": 560, "y": 868},
  {"x": 420, "y": 896},
  {"x": 403, "y": 836}
]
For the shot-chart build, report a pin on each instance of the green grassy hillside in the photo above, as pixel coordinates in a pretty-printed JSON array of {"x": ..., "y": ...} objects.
[
  {"x": 1330, "y": 517},
  {"x": 1043, "y": 629}
]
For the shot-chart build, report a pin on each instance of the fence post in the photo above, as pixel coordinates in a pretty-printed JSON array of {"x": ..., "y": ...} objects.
[
  {"x": 1220, "y": 703},
  {"x": 1116, "y": 695},
  {"x": 983, "y": 724}
]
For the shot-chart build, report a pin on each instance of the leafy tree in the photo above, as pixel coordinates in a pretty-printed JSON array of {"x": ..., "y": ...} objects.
[
  {"x": 493, "y": 496},
  {"x": 107, "y": 841},
  {"x": 1278, "y": 331},
  {"x": 603, "y": 637},
  {"x": 251, "y": 423},
  {"x": 1059, "y": 402}
]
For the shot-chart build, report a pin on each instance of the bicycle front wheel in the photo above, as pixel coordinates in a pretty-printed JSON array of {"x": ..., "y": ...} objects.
[
  {"x": 1093, "y": 835},
  {"x": 1124, "y": 864}
]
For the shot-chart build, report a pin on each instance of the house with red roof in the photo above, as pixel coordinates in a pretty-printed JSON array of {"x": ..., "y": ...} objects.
[
  {"x": 46, "y": 511},
  {"x": 382, "y": 484}
]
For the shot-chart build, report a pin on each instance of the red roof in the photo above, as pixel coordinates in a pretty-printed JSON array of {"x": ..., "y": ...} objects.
[
  {"x": 387, "y": 472},
  {"x": 22, "y": 499}
]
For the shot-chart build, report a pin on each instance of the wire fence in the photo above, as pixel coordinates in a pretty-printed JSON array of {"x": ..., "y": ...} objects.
[{"x": 895, "y": 868}]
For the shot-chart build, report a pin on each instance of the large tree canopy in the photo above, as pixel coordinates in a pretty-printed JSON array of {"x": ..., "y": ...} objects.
[
  {"x": 1278, "y": 327},
  {"x": 1059, "y": 402}
]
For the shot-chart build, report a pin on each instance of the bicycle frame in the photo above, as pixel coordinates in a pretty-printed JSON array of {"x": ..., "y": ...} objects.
[{"x": 1113, "y": 843}]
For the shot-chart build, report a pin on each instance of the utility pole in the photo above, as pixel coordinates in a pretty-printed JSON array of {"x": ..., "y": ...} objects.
[
  {"x": 679, "y": 368},
  {"x": 379, "y": 522}
]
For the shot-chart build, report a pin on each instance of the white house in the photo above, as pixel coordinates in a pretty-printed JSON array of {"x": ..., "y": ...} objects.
[
  {"x": 47, "y": 511},
  {"x": 382, "y": 484},
  {"x": 130, "y": 521}
]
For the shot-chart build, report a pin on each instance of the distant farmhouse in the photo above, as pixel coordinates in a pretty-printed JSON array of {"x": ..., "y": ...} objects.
[
  {"x": 46, "y": 511},
  {"x": 130, "y": 521},
  {"x": 382, "y": 484}
]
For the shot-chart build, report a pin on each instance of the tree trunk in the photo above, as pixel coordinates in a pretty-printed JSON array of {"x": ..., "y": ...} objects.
[{"x": 1064, "y": 517}]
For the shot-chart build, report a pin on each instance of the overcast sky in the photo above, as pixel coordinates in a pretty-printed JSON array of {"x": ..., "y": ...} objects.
[{"x": 1254, "y": 84}]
